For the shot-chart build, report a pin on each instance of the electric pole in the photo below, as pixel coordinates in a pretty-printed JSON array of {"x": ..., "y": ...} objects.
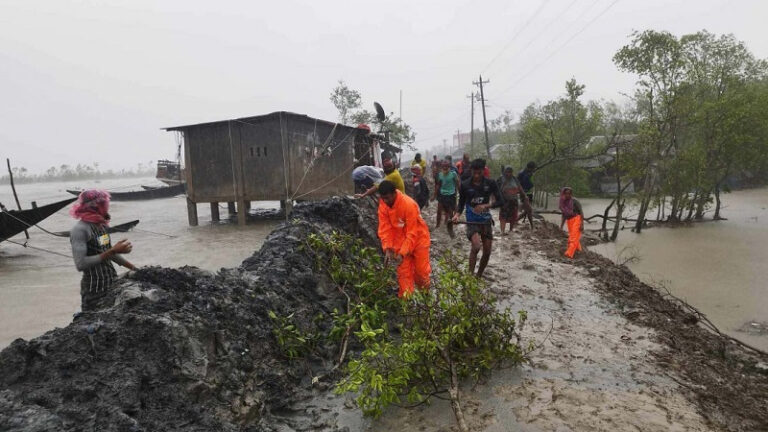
[
  {"x": 485, "y": 122},
  {"x": 472, "y": 125}
]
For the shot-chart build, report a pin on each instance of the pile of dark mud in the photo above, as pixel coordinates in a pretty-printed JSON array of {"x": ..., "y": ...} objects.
[
  {"x": 186, "y": 350},
  {"x": 726, "y": 381}
]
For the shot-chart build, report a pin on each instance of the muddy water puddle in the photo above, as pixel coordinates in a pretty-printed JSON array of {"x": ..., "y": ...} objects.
[{"x": 40, "y": 290}]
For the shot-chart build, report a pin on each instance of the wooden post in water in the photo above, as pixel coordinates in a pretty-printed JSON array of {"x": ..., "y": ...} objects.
[
  {"x": 191, "y": 212},
  {"x": 13, "y": 188},
  {"x": 215, "y": 212}
]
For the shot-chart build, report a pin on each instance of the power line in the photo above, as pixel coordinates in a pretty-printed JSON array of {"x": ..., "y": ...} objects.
[
  {"x": 545, "y": 28},
  {"x": 516, "y": 34},
  {"x": 560, "y": 47}
]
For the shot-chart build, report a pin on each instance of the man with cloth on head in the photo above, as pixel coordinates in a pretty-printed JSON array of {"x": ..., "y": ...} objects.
[
  {"x": 404, "y": 237},
  {"x": 93, "y": 251}
]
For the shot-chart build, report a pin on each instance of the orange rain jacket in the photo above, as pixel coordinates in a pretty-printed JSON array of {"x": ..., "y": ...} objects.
[
  {"x": 402, "y": 229},
  {"x": 401, "y": 226}
]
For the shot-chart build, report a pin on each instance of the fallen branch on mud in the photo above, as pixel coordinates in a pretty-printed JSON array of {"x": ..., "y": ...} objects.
[{"x": 412, "y": 349}]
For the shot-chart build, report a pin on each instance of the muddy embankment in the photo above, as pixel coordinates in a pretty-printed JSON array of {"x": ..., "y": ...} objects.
[{"x": 183, "y": 349}]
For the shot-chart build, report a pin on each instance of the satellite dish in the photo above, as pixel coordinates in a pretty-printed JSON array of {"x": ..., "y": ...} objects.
[{"x": 379, "y": 112}]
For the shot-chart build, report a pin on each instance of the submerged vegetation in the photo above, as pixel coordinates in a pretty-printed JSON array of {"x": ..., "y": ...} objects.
[{"x": 404, "y": 352}]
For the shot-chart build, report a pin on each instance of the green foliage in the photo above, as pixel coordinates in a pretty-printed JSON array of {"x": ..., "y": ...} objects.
[
  {"x": 292, "y": 341},
  {"x": 557, "y": 136},
  {"x": 456, "y": 327},
  {"x": 700, "y": 99},
  {"x": 406, "y": 350},
  {"x": 348, "y": 103}
]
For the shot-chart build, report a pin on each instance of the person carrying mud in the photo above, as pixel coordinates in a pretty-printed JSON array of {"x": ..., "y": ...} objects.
[
  {"x": 92, "y": 249},
  {"x": 475, "y": 196},
  {"x": 420, "y": 187},
  {"x": 366, "y": 177},
  {"x": 404, "y": 238},
  {"x": 573, "y": 214},
  {"x": 510, "y": 190},
  {"x": 446, "y": 187},
  {"x": 524, "y": 177},
  {"x": 390, "y": 174}
]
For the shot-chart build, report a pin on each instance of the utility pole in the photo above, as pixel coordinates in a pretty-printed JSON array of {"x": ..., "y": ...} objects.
[
  {"x": 458, "y": 140},
  {"x": 485, "y": 122},
  {"x": 472, "y": 125}
]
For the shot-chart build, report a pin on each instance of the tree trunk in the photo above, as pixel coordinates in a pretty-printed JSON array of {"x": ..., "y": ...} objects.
[
  {"x": 617, "y": 222},
  {"x": 674, "y": 207},
  {"x": 692, "y": 206},
  {"x": 717, "y": 202},
  {"x": 453, "y": 392},
  {"x": 604, "y": 228},
  {"x": 701, "y": 206}
]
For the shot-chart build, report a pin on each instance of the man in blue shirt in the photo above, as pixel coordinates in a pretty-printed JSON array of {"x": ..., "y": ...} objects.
[{"x": 475, "y": 197}]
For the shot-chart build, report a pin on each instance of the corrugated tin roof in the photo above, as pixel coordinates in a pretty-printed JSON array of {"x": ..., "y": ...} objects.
[{"x": 254, "y": 119}]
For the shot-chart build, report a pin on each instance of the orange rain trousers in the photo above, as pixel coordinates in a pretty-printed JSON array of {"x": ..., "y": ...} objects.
[
  {"x": 413, "y": 271},
  {"x": 402, "y": 229},
  {"x": 574, "y": 235}
]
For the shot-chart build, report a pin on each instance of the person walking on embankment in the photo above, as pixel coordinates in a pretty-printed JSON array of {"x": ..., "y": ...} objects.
[
  {"x": 574, "y": 216},
  {"x": 404, "y": 238},
  {"x": 92, "y": 249},
  {"x": 446, "y": 187},
  {"x": 475, "y": 196},
  {"x": 512, "y": 195},
  {"x": 524, "y": 177}
]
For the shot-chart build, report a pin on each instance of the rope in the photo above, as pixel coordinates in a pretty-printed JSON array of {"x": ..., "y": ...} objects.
[
  {"x": 315, "y": 157},
  {"x": 40, "y": 249},
  {"x": 332, "y": 180},
  {"x": 312, "y": 162}
]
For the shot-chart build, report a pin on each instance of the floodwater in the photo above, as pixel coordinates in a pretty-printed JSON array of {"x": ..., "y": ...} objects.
[
  {"x": 718, "y": 267},
  {"x": 40, "y": 290}
]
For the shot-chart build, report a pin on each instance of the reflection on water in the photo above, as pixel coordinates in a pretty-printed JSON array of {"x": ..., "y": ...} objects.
[
  {"x": 40, "y": 291},
  {"x": 718, "y": 267}
]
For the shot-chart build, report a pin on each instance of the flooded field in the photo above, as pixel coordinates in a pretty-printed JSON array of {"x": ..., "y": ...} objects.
[{"x": 40, "y": 290}]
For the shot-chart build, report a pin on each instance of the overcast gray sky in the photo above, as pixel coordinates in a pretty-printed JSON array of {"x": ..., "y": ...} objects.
[{"x": 94, "y": 81}]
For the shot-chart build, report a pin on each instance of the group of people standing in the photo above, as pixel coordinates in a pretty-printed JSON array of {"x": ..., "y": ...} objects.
[{"x": 405, "y": 236}]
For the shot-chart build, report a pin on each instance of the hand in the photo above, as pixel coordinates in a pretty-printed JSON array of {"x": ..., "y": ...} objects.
[
  {"x": 122, "y": 247},
  {"x": 389, "y": 256},
  {"x": 455, "y": 218},
  {"x": 358, "y": 196}
]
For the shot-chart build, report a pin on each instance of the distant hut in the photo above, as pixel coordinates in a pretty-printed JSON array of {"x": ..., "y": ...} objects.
[{"x": 280, "y": 156}]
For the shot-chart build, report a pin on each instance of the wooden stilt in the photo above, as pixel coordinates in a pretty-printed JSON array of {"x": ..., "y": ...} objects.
[
  {"x": 215, "y": 212},
  {"x": 231, "y": 208},
  {"x": 192, "y": 212},
  {"x": 242, "y": 213}
]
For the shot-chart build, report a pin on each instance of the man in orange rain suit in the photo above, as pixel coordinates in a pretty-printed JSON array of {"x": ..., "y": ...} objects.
[
  {"x": 574, "y": 215},
  {"x": 405, "y": 237}
]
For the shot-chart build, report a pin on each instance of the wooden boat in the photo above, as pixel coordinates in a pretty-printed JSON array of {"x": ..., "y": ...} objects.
[
  {"x": 147, "y": 194},
  {"x": 112, "y": 229},
  {"x": 150, "y": 187},
  {"x": 13, "y": 222}
]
